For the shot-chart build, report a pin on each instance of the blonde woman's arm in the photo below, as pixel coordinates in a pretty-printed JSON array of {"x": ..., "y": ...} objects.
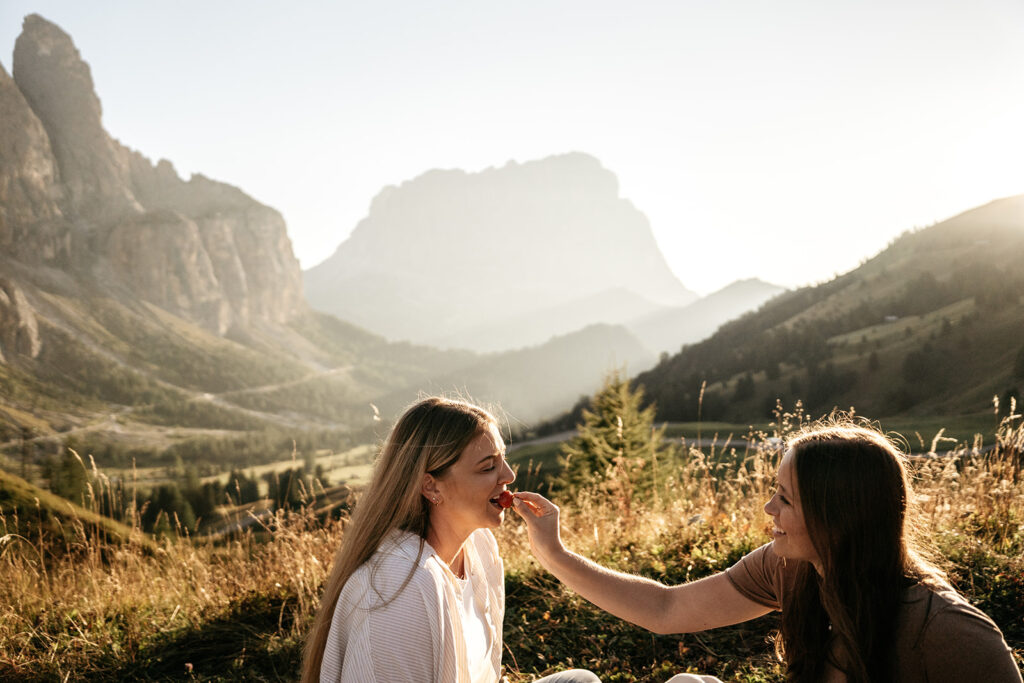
[{"x": 696, "y": 606}]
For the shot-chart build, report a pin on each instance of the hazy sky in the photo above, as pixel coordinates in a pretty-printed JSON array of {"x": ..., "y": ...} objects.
[{"x": 779, "y": 139}]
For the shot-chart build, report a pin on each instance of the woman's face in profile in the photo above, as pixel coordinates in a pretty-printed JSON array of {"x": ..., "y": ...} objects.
[
  {"x": 471, "y": 486},
  {"x": 789, "y": 533}
]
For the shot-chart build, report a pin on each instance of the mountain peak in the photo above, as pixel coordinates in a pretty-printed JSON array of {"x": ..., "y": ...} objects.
[
  {"x": 513, "y": 239},
  {"x": 55, "y": 79},
  {"x": 74, "y": 197},
  {"x": 57, "y": 84}
]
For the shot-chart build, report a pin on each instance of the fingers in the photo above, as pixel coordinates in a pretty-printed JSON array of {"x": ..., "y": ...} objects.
[
  {"x": 531, "y": 496},
  {"x": 542, "y": 521},
  {"x": 536, "y": 504},
  {"x": 522, "y": 506}
]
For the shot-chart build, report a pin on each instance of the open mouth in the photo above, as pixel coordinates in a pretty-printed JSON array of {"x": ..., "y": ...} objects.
[
  {"x": 502, "y": 500},
  {"x": 778, "y": 532}
]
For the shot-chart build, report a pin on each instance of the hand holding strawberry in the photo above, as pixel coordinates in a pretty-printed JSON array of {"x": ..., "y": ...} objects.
[{"x": 541, "y": 517}]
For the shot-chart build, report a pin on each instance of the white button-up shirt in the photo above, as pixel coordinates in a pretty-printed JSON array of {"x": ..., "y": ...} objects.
[{"x": 399, "y": 616}]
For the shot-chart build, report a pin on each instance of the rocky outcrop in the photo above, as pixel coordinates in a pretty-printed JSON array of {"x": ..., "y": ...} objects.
[
  {"x": 177, "y": 275},
  {"x": 201, "y": 249},
  {"x": 58, "y": 86},
  {"x": 450, "y": 250},
  {"x": 32, "y": 224},
  {"x": 19, "y": 332}
]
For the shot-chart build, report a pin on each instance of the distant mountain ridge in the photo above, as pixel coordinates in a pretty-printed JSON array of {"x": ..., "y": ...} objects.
[
  {"x": 536, "y": 382},
  {"x": 441, "y": 256},
  {"x": 666, "y": 330},
  {"x": 609, "y": 307}
]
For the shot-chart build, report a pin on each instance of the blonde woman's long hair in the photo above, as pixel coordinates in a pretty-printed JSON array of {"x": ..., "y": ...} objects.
[{"x": 427, "y": 438}]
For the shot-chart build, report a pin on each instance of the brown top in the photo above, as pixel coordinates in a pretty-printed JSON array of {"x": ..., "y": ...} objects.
[{"x": 940, "y": 636}]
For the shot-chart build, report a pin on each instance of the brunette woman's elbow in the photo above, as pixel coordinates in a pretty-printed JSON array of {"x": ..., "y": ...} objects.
[
  {"x": 661, "y": 629},
  {"x": 675, "y": 614},
  {"x": 661, "y": 621},
  {"x": 672, "y": 628}
]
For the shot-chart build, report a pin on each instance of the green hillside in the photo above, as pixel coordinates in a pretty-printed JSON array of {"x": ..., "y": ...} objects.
[
  {"x": 127, "y": 380},
  {"x": 934, "y": 324},
  {"x": 33, "y": 516}
]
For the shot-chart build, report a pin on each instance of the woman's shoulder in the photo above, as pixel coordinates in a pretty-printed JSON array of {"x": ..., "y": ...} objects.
[
  {"x": 953, "y": 637},
  {"x": 945, "y": 615},
  {"x": 402, "y": 561},
  {"x": 401, "y": 544},
  {"x": 762, "y": 576},
  {"x": 483, "y": 540},
  {"x": 947, "y": 607}
]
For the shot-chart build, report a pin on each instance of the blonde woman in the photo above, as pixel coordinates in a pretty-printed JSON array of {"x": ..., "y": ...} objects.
[
  {"x": 858, "y": 602},
  {"x": 417, "y": 592}
]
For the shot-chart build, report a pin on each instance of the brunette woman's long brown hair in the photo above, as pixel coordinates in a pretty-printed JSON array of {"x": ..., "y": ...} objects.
[
  {"x": 856, "y": 498},
  {"x": 428, "y": 437}
]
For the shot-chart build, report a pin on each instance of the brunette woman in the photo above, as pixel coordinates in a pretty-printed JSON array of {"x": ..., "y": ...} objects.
[{"x": 859, "y": 603}]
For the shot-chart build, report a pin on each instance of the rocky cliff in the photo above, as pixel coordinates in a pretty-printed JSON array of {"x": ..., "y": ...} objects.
[
  {"x": 31, "y": 221},
  {"x": 450, "y": 251},
  {"x": 74, "y": 198}
]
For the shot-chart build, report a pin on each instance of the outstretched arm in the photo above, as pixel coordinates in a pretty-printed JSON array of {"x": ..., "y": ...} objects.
[{"x": 696, "y": 606}]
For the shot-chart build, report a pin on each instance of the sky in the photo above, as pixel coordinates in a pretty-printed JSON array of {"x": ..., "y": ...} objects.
[{"x": 786, "y": 140}]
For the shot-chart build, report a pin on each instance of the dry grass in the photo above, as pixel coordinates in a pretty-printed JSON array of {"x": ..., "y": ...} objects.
[{"x": 81, "y": 608}]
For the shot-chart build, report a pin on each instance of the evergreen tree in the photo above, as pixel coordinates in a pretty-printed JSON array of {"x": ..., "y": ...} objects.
[
  {"x": 242, "y": 488},
  {"x": 616, "y": 448},
  {"x": 289, "y": 489},
  {"x": 165, "y": 504},
  {"x": 320, "y": 475},
  {"x": 66, "y": 474},
  {"x": 744, "y": 387},
  {"x": 204, "y": 498}
]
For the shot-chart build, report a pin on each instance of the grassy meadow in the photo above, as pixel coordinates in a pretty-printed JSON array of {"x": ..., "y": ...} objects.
[{"x": 94, "y": 606}]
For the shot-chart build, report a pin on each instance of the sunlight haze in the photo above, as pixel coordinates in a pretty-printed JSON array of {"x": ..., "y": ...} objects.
[{"x": 787, "y": 141}]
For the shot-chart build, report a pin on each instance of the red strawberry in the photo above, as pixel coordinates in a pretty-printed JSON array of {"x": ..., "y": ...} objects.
[{"x": 505, "y": 499}]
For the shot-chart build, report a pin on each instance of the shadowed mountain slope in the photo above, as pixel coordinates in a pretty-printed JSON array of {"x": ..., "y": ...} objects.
[
  {"x": 932, "y": 324},
  {"x": 668, "y": 329}
]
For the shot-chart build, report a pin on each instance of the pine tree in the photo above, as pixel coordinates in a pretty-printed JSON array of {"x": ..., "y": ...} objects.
[
  {"x": 166, "y": 509},
  {"x": 67, "y": 474},
  {"x": 616, "y": 449}
]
